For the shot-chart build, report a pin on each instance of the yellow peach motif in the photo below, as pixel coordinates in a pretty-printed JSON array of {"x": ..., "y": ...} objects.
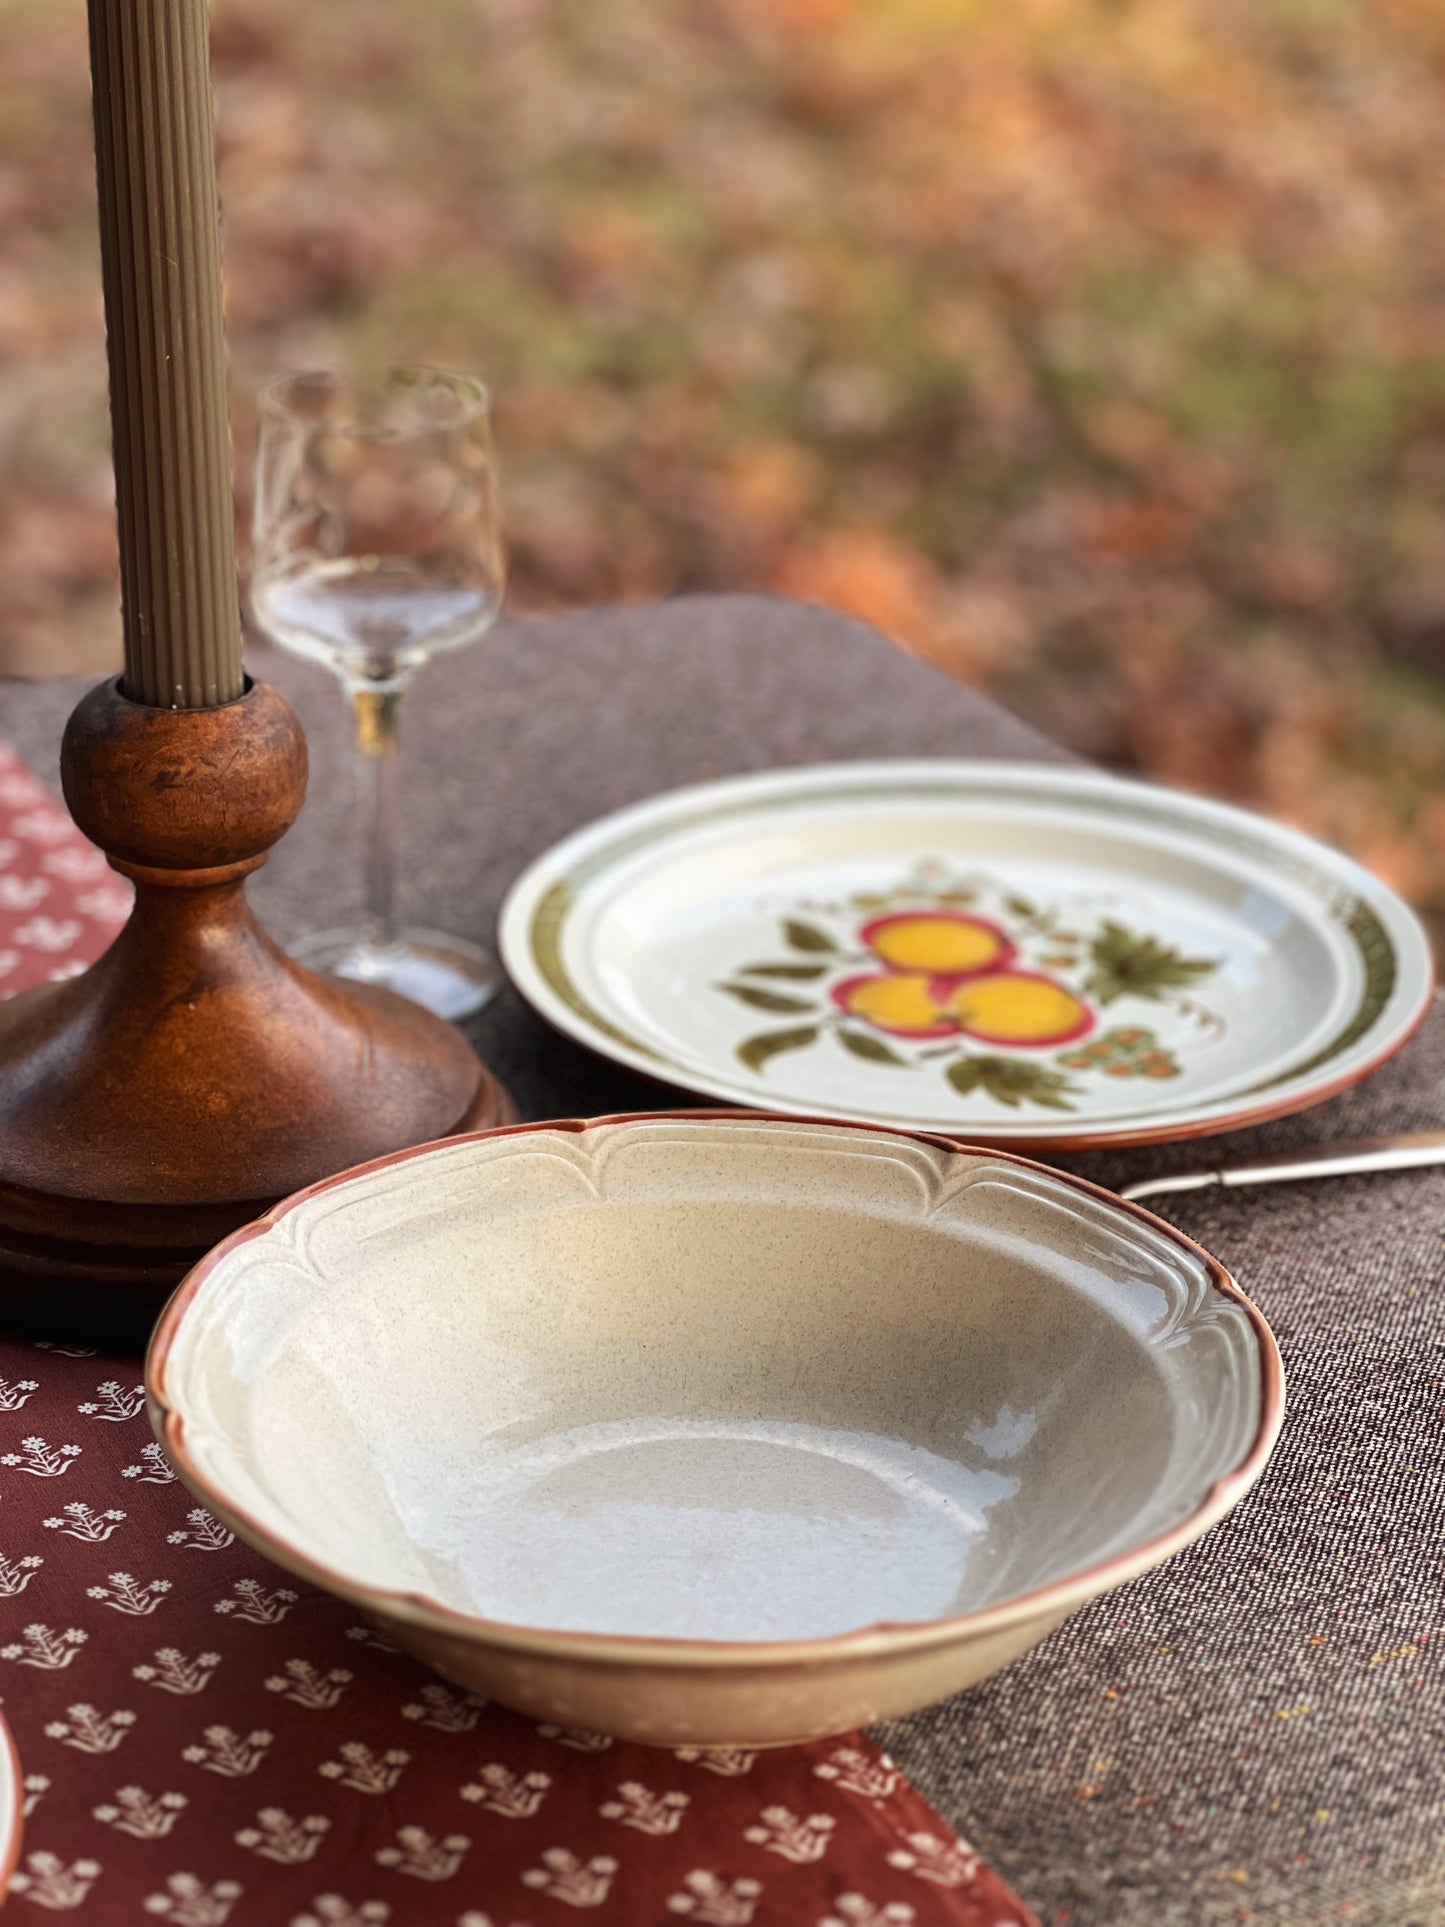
[
  {"x": 1018, "y": 1007},
  {"x": 903, "y": 1005},
  {"x": 938, "y": 944}
]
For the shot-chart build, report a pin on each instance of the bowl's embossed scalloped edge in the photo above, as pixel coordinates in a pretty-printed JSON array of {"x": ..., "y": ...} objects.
[{"x": 1056, "y": 1598}]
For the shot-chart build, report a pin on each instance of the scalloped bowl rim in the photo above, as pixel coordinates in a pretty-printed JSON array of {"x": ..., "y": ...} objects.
[{"x": 1051, "y": 1601}]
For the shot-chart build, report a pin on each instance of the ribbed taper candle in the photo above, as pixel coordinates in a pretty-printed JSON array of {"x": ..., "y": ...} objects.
[{"x": 161, "y": 261}]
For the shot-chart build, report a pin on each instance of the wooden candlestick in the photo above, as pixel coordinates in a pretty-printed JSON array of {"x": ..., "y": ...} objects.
[{"x": 195, "y": 1074}]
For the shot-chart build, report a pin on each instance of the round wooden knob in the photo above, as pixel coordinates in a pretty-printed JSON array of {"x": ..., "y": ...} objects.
[{"x": 184, "y": 789}]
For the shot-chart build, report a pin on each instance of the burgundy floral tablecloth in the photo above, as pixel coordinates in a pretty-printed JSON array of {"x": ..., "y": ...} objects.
[
  {"x": 60, "y": 902},
  {"x": 203, "y": 1741}
]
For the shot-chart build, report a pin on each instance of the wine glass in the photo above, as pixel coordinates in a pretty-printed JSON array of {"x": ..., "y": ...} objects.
[{"x": 377, "y": 546}]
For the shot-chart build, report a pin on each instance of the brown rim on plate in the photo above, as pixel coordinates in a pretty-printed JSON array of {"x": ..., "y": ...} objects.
[{"x": 1059, "y": 1597}]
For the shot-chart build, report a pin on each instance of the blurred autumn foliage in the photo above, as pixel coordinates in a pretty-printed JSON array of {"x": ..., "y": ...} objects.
[{"x": 1094, "y": 348}]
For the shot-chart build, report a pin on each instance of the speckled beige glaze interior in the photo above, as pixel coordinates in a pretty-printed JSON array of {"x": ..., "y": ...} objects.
[{"x": 714, "y": 1430}]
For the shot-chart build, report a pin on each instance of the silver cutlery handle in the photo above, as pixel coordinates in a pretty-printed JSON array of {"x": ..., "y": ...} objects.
[{"x": 1403, "y": 1153}]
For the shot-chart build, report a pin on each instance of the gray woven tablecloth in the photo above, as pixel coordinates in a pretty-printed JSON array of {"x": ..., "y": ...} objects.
[{"x": 1254, "y": 1733}]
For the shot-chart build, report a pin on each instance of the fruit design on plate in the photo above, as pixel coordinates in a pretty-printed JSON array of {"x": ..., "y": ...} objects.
[
  {"x": 902, "y": 1005},
  {"x": 1018, "y": 1007},
  {"x": 1005, "y": 998},
  {"x": 938, "y": 943}
]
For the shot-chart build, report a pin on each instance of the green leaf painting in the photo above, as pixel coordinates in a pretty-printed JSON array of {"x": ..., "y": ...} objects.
[
  {"x": 756, "y": 998},
  {"x": 871, "y": 1049},
  {"x": 794, "y": 973},
  {"x": 1126, "y": 964},
  {"x": 757, "y": 1050},
  {"x": 807, "y": 936},
  {"x": 1009, "y": 1081}
]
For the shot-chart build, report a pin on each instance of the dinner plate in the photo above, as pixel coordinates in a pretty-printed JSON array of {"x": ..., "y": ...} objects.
[{"x": 1013, "y": 953}]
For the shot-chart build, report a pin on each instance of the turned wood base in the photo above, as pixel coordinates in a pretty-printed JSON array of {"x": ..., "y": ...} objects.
[{"x": 195, "y": 1074}]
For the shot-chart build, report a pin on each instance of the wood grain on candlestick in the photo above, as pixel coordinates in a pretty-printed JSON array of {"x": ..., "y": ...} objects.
[{"x": 161, "y": 259}]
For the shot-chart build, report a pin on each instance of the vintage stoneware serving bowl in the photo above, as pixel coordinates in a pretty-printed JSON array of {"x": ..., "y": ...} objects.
[{"x": 702, "y": 1429}]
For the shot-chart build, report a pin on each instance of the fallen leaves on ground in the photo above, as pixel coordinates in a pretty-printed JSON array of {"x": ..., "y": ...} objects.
[{"x": 1093, "y": 348}]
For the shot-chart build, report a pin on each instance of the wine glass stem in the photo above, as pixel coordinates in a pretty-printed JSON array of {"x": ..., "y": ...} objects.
[{"x": 378, "y": 714}]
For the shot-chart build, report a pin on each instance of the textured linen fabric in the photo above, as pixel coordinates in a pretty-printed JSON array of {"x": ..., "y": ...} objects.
[{"x": 1254, "y": 1733}]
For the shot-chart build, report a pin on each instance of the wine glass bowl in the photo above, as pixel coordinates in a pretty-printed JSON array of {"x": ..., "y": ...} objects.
[{"x": 378, "y": 546}]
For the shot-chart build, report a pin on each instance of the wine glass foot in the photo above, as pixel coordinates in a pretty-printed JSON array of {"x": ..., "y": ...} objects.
[{"x": 445, "y": 975}]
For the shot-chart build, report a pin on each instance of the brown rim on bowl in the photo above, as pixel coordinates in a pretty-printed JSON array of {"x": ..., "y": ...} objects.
[
  {"x": 1058, "y": 1598},
  {"x": 15, "y": 1819}
]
